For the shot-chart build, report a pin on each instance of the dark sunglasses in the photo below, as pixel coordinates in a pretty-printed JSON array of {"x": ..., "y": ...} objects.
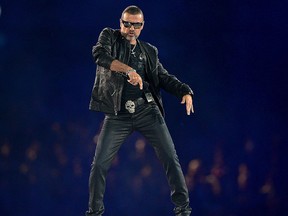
[{"x": 136, "y": 25}]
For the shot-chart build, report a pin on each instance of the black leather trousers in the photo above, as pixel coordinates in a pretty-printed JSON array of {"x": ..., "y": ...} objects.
[{"x": 149, "y": 122}]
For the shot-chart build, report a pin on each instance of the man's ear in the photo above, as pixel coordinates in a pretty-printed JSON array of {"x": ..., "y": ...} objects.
[{"x": 142, "y": 25}]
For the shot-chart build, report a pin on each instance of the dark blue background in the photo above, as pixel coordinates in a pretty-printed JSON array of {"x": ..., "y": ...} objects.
[{"x": 232, "y": 53}]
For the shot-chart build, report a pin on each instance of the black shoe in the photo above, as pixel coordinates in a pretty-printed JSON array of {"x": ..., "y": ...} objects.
[{"x": 182, "y": 212}]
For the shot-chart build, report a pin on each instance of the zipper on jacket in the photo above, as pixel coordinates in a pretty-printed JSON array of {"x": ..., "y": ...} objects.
[
  {"x": 114, "y": 96},
  {"x": 117, "y": 94}
]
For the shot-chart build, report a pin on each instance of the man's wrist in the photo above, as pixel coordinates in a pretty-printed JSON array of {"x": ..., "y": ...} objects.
[
  {"x": 189, "y": 93},
  {"x": 129, "y": 71}
]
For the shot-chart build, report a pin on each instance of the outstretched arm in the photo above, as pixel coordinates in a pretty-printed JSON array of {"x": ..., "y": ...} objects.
[{"x": 134, "y": 77}]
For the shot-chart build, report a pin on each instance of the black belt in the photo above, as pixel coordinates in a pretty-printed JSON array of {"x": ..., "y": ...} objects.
[{"x": 131, "y": 106}]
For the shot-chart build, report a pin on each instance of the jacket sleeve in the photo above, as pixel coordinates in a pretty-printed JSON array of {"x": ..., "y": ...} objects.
[
  {"x": 170, "y": 83},
  {"x": 102, "y": 50}
]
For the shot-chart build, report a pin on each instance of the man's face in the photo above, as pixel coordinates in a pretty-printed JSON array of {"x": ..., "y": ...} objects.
[{"x": 131, "y": 26}]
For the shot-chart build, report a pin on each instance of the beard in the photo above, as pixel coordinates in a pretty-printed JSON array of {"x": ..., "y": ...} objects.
[{"x": 130, "y": 36}]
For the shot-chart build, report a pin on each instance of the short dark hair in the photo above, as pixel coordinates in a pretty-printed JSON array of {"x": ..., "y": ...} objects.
[{"x": 132, "y": 9}]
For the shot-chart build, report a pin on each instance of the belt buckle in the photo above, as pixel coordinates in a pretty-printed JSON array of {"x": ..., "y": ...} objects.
[{"x": 130, "y": 106}]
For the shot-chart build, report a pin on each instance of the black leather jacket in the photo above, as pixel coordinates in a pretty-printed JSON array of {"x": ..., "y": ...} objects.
[{"x": 108, "y": 85}]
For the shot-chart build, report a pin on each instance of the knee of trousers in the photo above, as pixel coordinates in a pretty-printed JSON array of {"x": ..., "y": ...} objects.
[
  {"x": 167, "y": 154},
  {"x": 100, "y": 166},
  {"x": 170, "y": 159}
]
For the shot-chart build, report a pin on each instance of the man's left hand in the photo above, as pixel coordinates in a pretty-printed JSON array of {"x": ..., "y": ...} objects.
[{"x": 189, "y": 103}]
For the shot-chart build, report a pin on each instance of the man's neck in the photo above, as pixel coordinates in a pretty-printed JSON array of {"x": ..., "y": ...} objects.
[{"x": 133, "y": 42}]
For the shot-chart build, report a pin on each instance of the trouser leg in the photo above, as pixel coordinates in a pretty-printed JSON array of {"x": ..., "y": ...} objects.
[
  {"x": 154, "y": 128},
  {"x": 112, "y": 135}
]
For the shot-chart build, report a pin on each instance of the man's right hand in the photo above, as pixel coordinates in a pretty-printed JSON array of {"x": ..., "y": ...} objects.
[{"x": 135, "y": 79}]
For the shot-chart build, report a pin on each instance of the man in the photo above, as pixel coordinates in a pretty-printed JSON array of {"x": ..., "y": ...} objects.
[{"x": 127, "y": 89}]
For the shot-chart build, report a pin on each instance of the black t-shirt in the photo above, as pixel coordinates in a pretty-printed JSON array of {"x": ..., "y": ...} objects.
[{"x": 137, "y": 62}]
